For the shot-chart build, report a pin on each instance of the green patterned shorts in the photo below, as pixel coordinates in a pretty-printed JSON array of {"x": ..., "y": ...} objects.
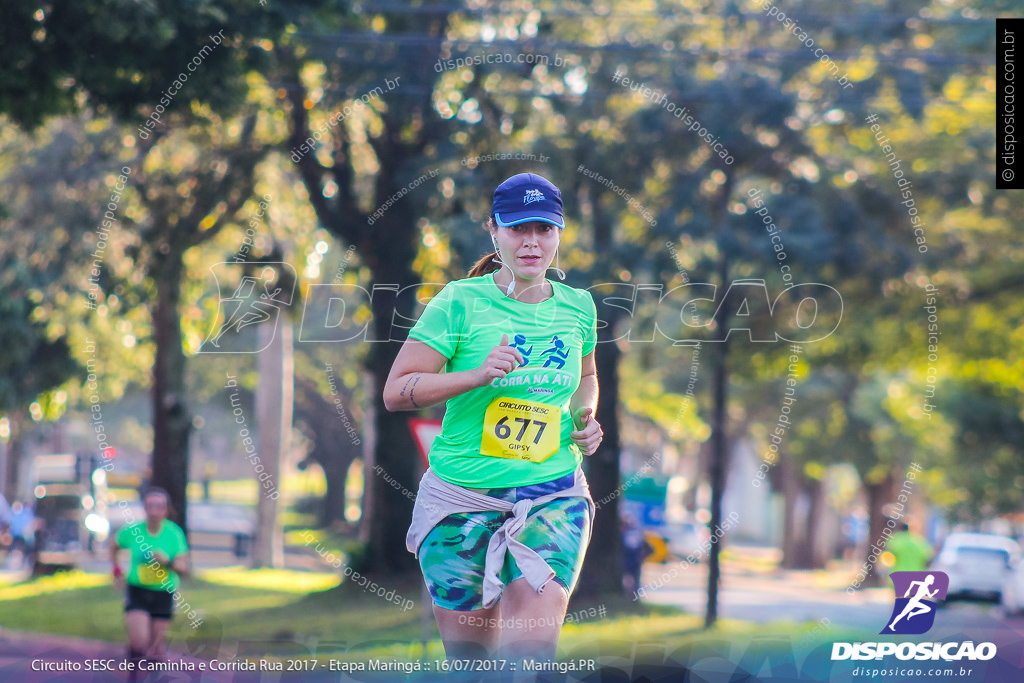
[{"x": 453, "y": 553}]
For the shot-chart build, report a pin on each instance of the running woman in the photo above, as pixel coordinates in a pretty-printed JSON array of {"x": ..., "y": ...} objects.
[
  {"x": 158, "y": 554},
  {"x": 504, "y": 511}
]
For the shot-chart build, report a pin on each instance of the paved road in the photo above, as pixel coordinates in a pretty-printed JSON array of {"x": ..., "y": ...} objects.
[
  {"x": 751, "y": 590},
  {"x": 764, "y": 595}
]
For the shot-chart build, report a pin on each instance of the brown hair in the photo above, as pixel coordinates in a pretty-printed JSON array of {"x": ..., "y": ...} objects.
[
  {"x": 485, "y": 264},
  {"x": 157, "y": 491}
]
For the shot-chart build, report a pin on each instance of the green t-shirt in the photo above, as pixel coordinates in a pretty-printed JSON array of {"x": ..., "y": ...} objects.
[
  {"x": 515, "y": 431},
  {"x": 910, "y": 552},
  {"x": 141, "y": 544}
]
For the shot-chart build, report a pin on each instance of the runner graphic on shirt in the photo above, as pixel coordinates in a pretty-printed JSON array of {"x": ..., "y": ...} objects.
[
  {"x": 558, "y": 353},
  {"x": 519, "y": 343}
]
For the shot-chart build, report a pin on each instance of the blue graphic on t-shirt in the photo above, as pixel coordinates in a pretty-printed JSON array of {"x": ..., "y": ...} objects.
[
  {"x": 519, "y": 343},
  {"x": 556, "y": 354}
]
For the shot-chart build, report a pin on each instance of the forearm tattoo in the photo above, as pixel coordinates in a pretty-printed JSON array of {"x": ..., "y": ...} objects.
[{"x": 410, "y": 386}]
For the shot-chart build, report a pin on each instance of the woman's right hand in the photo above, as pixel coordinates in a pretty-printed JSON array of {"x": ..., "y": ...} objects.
[{"x": 502, "y": 360}]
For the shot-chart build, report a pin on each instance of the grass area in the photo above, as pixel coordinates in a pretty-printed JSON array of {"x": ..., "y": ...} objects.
[
  {"x": 250, "y": 605},
  {"x": 47, "y": 585},
  {"x": 281, "y": 580},
  {"x": 268, "y": 612}
]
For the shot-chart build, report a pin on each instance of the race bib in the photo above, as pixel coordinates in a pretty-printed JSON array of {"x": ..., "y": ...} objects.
[
  {"x": 523, "y": 430},
  {"x": 148, "y": 575}
]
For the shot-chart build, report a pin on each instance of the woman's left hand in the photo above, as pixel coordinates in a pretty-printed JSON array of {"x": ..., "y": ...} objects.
[{"x": 589, "y": 437}]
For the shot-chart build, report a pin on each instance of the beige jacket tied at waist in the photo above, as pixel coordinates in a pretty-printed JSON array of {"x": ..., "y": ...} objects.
[{"x": 438, "y": 498}]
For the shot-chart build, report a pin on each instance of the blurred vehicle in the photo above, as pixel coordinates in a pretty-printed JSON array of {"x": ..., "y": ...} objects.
[
  {"x": 70, "y": 506},
  {"x": 977, "y": 564},
  {"x": 1012, "y": 597}
]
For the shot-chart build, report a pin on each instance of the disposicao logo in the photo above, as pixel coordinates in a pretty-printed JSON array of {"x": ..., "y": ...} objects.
[
  {"x": 917, "y": 596},
  {"x": 914, "y": 612}
]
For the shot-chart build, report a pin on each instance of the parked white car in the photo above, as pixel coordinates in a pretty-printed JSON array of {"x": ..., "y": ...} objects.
[
  {"x": 1012, "y": 599},
  {"x": 978, "y": 565}
]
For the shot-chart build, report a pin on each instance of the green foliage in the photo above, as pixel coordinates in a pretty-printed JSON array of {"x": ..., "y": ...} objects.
[
  {"x": 30, "y": 361},
  {"x": 122, "y": 57}
]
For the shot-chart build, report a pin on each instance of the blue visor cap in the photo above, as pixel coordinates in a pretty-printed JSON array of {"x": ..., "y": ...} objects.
[{"x": 527, "y": 197}]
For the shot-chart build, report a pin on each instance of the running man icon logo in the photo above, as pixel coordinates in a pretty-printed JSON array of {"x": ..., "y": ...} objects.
[
  {"x": 914, "y": 612},
  {"x": 255, "y": 299}
]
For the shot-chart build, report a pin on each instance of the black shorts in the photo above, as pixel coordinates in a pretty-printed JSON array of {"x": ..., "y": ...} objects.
[{"x": 158, "y": 603}]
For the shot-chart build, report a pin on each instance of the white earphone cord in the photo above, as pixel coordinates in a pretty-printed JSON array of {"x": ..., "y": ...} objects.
[
  {"x": 497, "y": 259},
  {"x": 558, "y": 271}
]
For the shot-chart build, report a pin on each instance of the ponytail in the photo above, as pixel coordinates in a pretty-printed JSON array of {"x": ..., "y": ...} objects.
[{"x": 485, "y": 265}]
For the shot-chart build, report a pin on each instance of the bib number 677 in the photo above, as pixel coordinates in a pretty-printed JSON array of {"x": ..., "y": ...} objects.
[{"x": 502, "y": 430}]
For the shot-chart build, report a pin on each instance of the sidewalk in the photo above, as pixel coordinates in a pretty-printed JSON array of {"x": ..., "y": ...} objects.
[{"x": 763, "y": 561}]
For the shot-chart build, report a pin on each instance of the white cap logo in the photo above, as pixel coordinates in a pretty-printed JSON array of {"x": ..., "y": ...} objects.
[{"x": 532, "y": 196}]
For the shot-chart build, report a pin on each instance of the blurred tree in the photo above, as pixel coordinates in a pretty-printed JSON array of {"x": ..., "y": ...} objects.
[
  {"x": 32, "y": 363},
  {"x": 180, "y": 214},
  {"x": 118, "y": 57},
  {"x": 362, "y": 125},
  {"x": 62, "y": 63},
  {"x": 48, "y": 268}
]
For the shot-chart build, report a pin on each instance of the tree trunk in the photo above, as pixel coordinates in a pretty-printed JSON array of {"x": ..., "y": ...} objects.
[
  {"x": 410, "y": 134},
  {"x": 878, "y": 494},
  {"x": 719, "y": 453},
  {"x": 719, "y": 437},
  {"x": 172, "y": 421},
  {"x": 336, "y": 475},
  {"x": 795, "y": 537},
  {"x": 389, "y": 511},
  {"x": 274, "y": 415},
  {"x": 817, "y": 555},
  {"x": 602, "y": 573}
]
